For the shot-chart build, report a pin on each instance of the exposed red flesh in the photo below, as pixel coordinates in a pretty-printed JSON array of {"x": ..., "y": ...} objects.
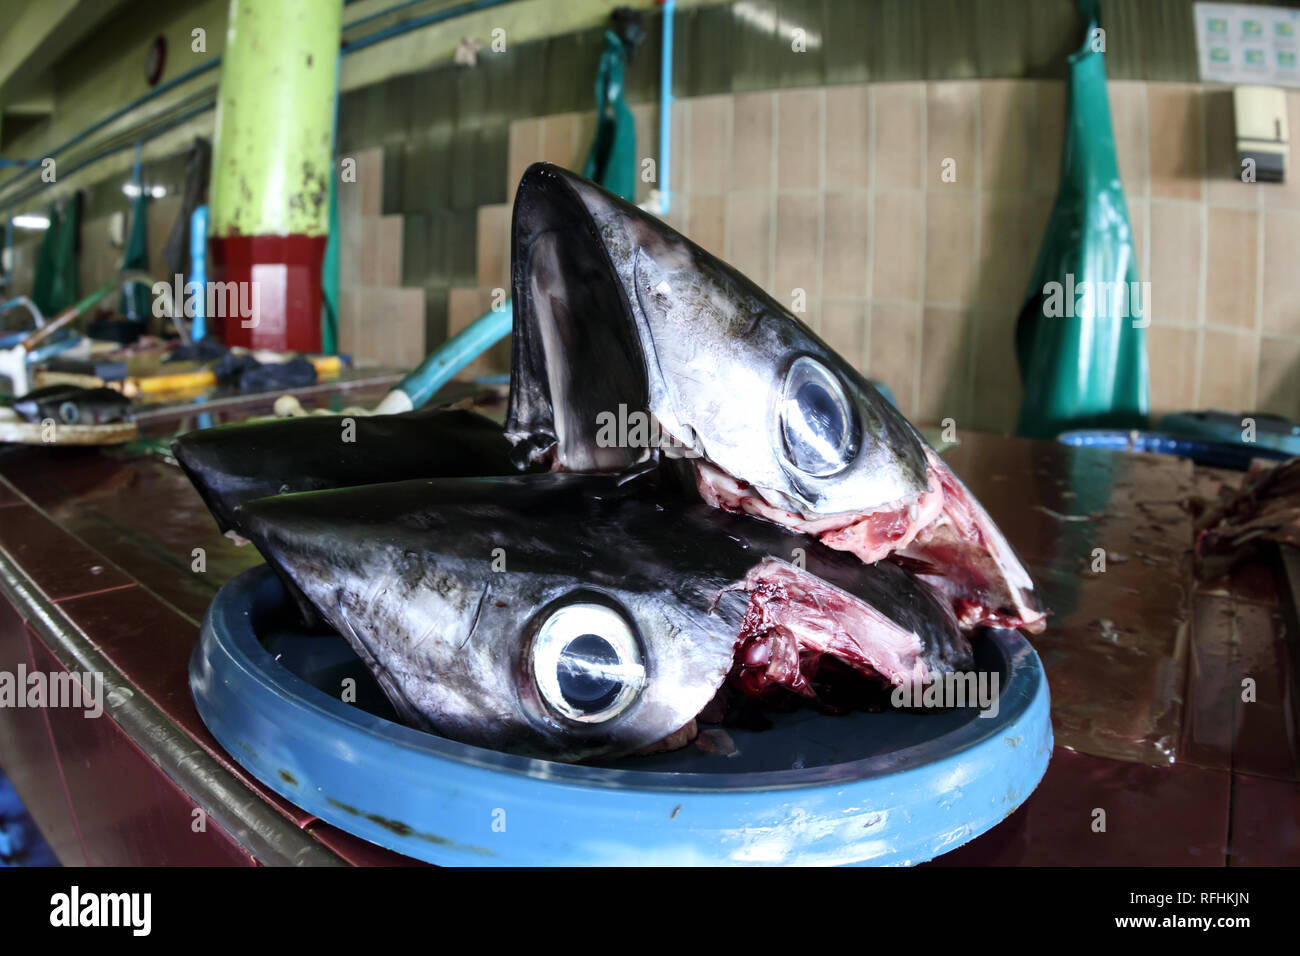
[
  {"x": 945, "y": 531},
  {"x": 794, "y": 618}
]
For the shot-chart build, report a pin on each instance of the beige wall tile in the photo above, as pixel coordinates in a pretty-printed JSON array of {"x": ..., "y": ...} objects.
[
  {"x": 749, "y": 235},
  {"x": 525, "y": 149},
  {"x": 1049, "y": 134},
  {"x": 848, "y": 137},
  {"x": 1011, "y": 229},
  {"x": 370, "y": 251},
  {"x": 798, "y": 252},
  {"x": 752, "y": 141},
  {"x": 1174, "y": 140},
  {"x": 1228, "y": 368},
  {"x": 1281, "y": 274},
  {"x": 1171, "y": 354},
  {"x": 945, "y": 365},
  {"x": 1128, "y": 120},
  {"x": 349, "y": 320},
  {"x": 952, "y": 119},
  {"x": 1231, "y": 274},
  {"x": 899, "y": 118},
  {"x": 494, "y": 246},
  {"x": 464, "y": 305},
  {"x": 1006, "y": 134},
  {"x": 561, "y": 142},
  {"x": 950, "y": 246},
  {"x": 898, "y": 246},
  {"x": 1138, "y": 213},
  {"x": 996, "y": 391},
  {"x": 367, "y": 329},
  {"x": 710, "y": 154},
  {"x": 799, "y": 138},
  {"x": 370, "y": 178},
  {"x": 847, "y": 232},
  {"x": 349, "y": 202},
  {"x": 1278, "y": 390},
  {"x": 646, "y": 118},
  {"x": 680, "y": 173},
  {"x": 844, "y": 328},
  {"x": 708, "y": 223},
  {"x": 388, "y": 268},
  {"x": 409, "y": 319},
  {"x": 891, "y": 345},
  {"x": 1176, "y": 266}
]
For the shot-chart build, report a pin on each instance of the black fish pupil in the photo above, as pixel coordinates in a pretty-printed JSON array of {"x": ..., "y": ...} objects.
[{"x": 587, "y": 673}]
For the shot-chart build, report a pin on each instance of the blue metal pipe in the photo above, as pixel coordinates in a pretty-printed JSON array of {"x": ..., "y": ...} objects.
[
  {"x": 666, "y": 110},
  {"x": 457, "y": 352},
  {"x": 157, "y": 91},
  {"x": 407, "y": 26},
  {"x": 198, "y": 271}
]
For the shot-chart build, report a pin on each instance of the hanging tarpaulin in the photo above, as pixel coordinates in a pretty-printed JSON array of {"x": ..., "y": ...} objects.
[
  {"x": 329, "y": 280},
  {"x": 612, "y": 160},
  {"x": 55, "y": 285},
  {"x": 135, "y": 295},
  {"x": 1080, "y": 338}
]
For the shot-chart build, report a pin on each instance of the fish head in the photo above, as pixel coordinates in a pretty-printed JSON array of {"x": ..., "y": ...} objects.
[
  {"x": 617, "y": 314},
  {"x": 576, "y": 616},
  {"x": 234, "y": 463},
  {"x": 515, "y": 614}
]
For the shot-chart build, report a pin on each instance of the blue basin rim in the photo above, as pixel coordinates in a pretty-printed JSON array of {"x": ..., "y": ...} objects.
[{"x": 450, "y": 803}]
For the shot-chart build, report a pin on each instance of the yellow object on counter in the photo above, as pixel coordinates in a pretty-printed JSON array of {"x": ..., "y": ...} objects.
[{"x": 204, "y": 378}]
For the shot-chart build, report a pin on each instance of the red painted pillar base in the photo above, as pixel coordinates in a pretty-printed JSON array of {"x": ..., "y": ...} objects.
[{"x": 276, "y": 300}]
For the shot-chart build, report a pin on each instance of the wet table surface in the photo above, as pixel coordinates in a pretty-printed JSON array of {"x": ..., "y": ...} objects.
[{"x": 1146, "y": 667}]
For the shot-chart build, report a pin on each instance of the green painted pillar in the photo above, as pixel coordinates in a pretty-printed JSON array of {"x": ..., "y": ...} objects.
[{"x": 271, "y": 170}]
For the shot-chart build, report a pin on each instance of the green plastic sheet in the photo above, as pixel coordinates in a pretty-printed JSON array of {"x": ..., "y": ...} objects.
[
  {"x": 329, "y": 325},
  {"x": 612, "y": 159},
  {"x": 55, "y": 284},
  {"x": 1080, "y": 337},
  {"x": 135, "y": 295}
]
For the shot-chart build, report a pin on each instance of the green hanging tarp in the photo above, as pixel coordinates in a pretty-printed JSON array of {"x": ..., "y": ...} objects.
[
  {"x": 329, "y": 327},
  {"x": 1080, "y": 338},
  {"x": 612, "y": 160},
  {"x": 55, "y": 285},
  {"x": 135, "y": 295}
]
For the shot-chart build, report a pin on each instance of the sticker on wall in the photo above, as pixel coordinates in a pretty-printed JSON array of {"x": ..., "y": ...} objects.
[{"x": 1240, "y": 43}]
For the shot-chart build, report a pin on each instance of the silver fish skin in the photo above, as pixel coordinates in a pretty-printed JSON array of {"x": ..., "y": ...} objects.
[
  {"x": 446, "y": 588},
  {"x": 405, "y": 572},
  {"x": 614, "y": 307}
]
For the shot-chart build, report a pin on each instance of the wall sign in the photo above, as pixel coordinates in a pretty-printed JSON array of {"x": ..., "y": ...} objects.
[{"x": 1240, "y": 43}]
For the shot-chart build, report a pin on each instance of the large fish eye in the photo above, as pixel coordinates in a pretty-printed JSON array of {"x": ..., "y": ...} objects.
[
  {"x": 818, "y": 427},
  {"x": 587, "y": 662}
]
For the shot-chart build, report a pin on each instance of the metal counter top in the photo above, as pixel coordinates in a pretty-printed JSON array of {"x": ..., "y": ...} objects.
[{"x": 109, "y": 560}]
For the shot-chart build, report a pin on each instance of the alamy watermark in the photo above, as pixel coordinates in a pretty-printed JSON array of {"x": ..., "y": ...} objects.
[
  {"x": 637, "y": 429},
  {"x": 220, "y": 300},
  {"x": 24, "y": 688},
  {"x": 1088, "y": 299},
  {"x": 951, "y": 691}
]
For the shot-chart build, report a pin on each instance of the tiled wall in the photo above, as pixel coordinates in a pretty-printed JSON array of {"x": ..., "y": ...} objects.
[
  {"x": 380, "y": 321},
  {"x": 837, "y": 192}
]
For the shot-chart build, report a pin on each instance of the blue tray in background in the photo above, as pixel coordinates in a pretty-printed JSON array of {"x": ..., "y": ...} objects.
[
  {"x": 884, "y": 788},
  {"x": 1216, "y": 454}
]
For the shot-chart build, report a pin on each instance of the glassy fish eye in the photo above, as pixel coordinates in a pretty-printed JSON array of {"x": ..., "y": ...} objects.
[
  {"x": 819, "y": 431},
  {"x": 587, "y": 662}
]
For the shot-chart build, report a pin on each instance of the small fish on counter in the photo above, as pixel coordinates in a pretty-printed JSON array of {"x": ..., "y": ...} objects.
[{"x": 72, "y": 405}]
